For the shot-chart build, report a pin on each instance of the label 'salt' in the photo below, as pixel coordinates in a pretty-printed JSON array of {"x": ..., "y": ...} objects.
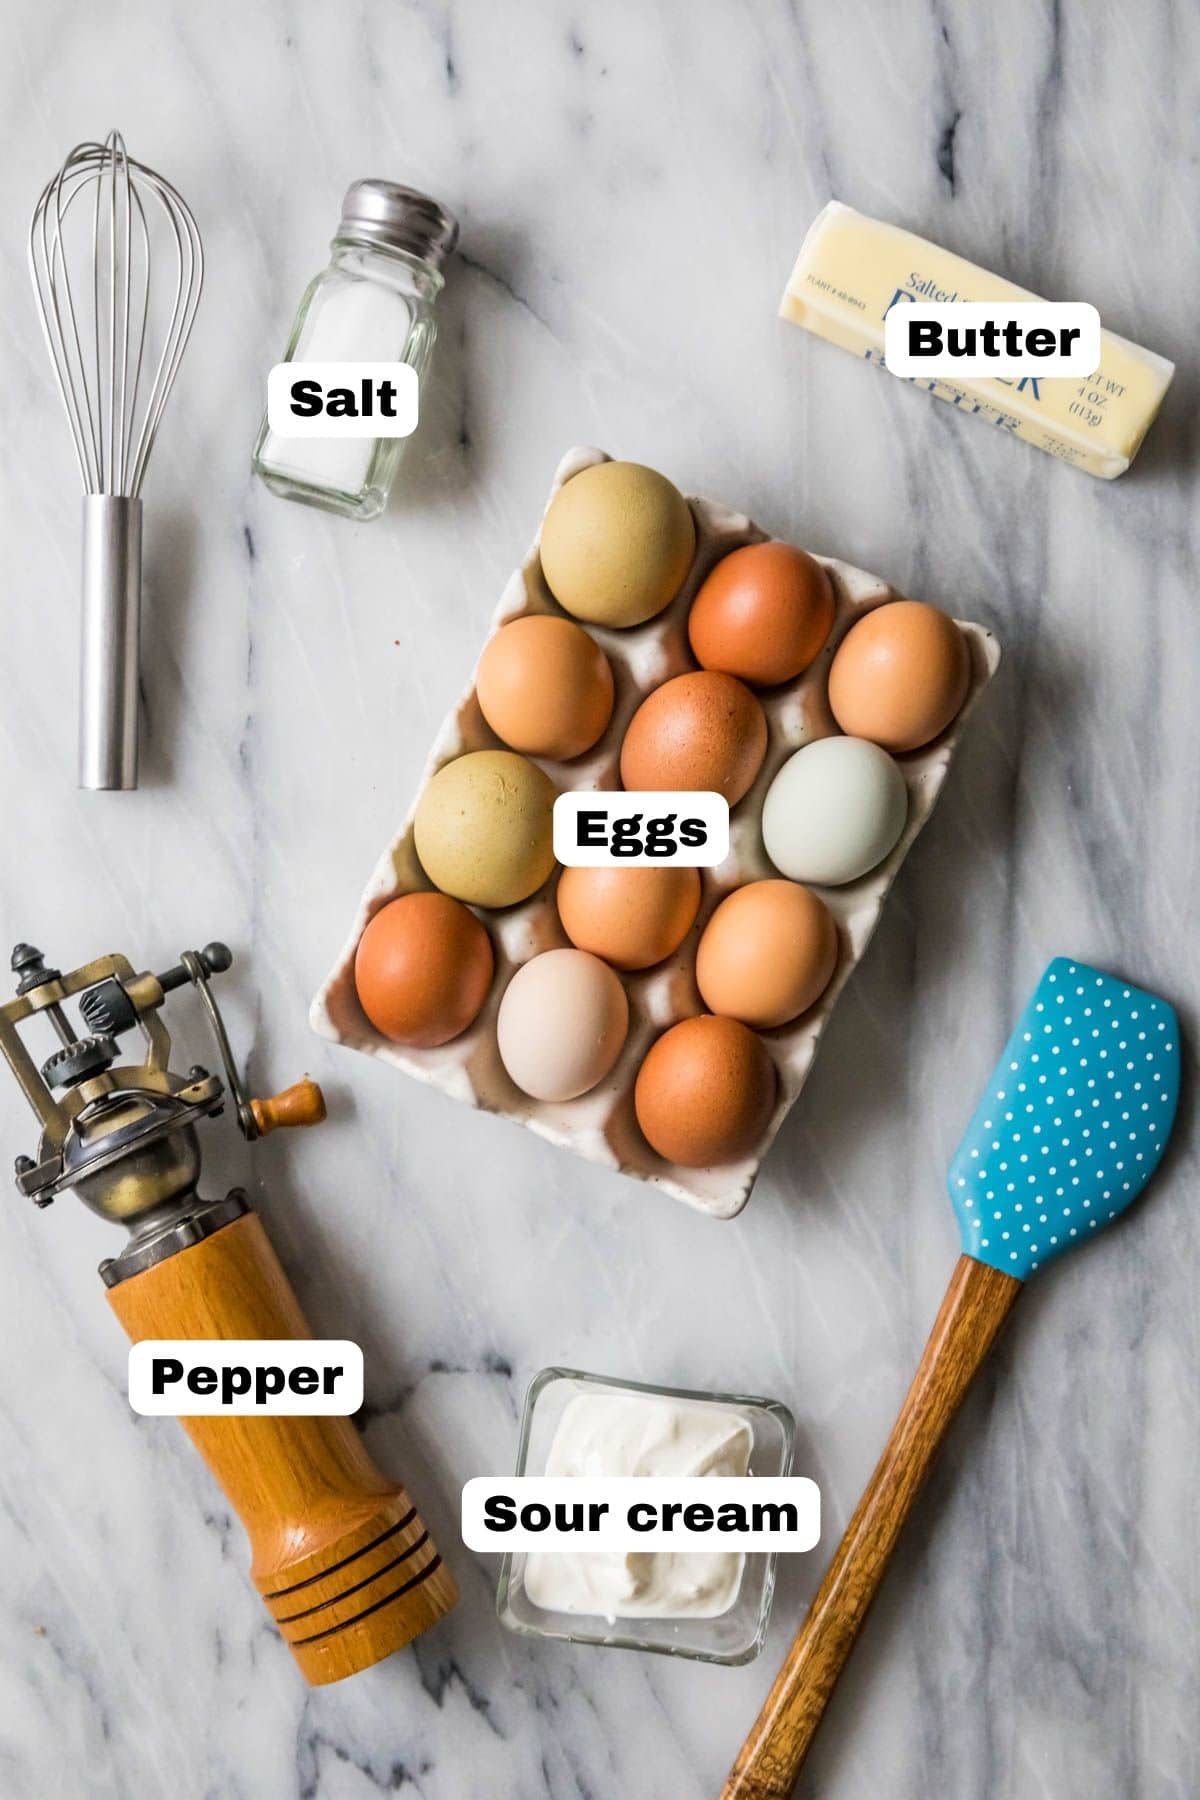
[{"x": 342, "y": 399}]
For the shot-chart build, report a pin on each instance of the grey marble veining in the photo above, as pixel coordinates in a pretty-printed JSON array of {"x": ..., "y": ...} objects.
[{"x": 633, "y": 184}]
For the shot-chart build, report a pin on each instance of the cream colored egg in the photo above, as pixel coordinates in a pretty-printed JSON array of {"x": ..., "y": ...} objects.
[{"x": 561, "y": 1024}]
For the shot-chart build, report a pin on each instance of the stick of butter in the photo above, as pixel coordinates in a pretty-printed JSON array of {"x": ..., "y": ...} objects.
[{"x": 850, "y": 272}]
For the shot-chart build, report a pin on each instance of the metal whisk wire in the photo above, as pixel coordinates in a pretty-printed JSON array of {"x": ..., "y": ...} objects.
[
  {"x": 100, "y": 392},
  {"x": 115, "y": 353}
]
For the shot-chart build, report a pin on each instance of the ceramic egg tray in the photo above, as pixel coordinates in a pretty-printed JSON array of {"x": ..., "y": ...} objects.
[{"x": 601, "y": 1125}]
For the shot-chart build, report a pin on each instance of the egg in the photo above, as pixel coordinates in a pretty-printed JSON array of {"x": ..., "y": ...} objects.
[
  {"x": 834, "y": 811},
  {"x": 617, "y": 542},
  {"x": 900, "y": 675},
  {"x": 631, "y": 917},
  {"x": 702, "y": 731},
  {"x": 545, "y": 687},
  {"x": 705, "y": 1092},
  {"x": 763, "y": 614},
  {"x": 767, "y": 954},
  {"x": 484, "y": 828},
  {"x": 422, "y": 969},
  {"x": 561, "y": 1025}
]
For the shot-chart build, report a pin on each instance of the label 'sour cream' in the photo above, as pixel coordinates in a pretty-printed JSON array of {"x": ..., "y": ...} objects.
[
  {"x": 852, "y": 271},
  {"x": 640, "y": 1515},
  {"x": 646, "y": 1509}
]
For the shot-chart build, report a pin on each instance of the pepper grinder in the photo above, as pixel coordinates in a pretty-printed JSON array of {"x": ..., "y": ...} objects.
[{"x": 341, "y": 1557}]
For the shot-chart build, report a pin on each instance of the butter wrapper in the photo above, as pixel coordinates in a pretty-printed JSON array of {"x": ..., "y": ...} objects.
[{"x": 852, "y": 270}]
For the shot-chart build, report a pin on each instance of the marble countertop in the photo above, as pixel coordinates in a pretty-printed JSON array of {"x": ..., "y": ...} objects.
[{"x": 633, "y": 184}]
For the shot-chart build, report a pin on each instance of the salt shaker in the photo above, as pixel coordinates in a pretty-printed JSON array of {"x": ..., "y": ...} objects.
[{"x": 373, "y": 303}]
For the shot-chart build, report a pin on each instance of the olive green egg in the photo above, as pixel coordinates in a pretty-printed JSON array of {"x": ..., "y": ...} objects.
[
  {"x": 484, "y": 828},
  {"x": 617, "y": 542}
]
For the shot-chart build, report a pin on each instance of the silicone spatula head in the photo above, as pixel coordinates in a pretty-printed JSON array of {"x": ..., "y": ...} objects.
[{"x": 1074, "y": 1121}]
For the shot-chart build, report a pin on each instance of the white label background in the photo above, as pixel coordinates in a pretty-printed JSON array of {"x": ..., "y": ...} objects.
[
  {"x": 1031, "y": 315},
  {"x": 711, "y": 808},
  {"x": 285, "y": 424},
  {"x": 622, "y": 1491},
  {"x": 178, "y": 1402}
]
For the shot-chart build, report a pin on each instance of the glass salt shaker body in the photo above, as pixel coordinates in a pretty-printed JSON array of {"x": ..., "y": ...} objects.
[{"x": 373, "y": 303}]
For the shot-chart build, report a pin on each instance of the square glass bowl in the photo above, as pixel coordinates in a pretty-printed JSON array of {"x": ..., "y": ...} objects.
[{"x": 736, "y": 1636}]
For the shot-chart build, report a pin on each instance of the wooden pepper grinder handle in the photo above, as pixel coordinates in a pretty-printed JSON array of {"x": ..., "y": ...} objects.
[
  {"x": 976, "y": 1304},
  {"x": 301, "y": 1104},
  {"x": 341, "y": 1556}
]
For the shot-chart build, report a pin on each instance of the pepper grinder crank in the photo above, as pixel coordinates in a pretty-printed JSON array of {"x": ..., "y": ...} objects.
[{"x": 341, "y": 1557}]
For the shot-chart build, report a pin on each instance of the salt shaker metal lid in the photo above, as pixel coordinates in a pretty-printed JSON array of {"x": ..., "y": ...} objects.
[{"x": 399, "y": 218}]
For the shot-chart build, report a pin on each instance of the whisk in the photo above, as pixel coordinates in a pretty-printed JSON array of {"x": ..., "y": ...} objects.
[{"x": 115, "y": 352}]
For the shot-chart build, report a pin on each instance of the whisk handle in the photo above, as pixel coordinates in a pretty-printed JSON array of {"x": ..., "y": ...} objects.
[{"x": 108, "y": 666}]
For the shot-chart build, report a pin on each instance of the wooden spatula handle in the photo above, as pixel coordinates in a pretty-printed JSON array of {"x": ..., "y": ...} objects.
[{"x": 976, "y": 1305}]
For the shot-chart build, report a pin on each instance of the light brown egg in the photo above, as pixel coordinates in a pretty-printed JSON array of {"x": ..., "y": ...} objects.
[
  {"x": 617, "y": 542},
  {"x": 702, "y": 731},
  {"x": 767, "y": 954},
  {"x": 633, "y": 918},
  {"x": 705, "y": 1092},
  {"x": 545, "y": 687},
  {"x": 899, "y": 675},
  {"x": 763, "y": 614},
  {"x": 422, "y": 969}
]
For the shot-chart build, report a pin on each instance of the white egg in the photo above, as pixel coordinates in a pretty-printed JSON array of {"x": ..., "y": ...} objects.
[
  {"x": 834, "y": 811},
  {"x": 561, "y": 1024}
]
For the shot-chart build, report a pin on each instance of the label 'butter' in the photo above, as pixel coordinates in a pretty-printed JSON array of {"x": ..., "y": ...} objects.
[{"x": 852, "y": 270}]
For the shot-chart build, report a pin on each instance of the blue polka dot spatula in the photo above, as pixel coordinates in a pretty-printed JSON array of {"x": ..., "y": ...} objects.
[{"x": 1074, "y": 1122}]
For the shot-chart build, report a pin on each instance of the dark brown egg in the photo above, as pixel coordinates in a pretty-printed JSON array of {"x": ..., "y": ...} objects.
[
  {"x": 423, "y": 968},
  {"x": 705, "y": 1092},
  {"x": 763, "y": 614}
]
